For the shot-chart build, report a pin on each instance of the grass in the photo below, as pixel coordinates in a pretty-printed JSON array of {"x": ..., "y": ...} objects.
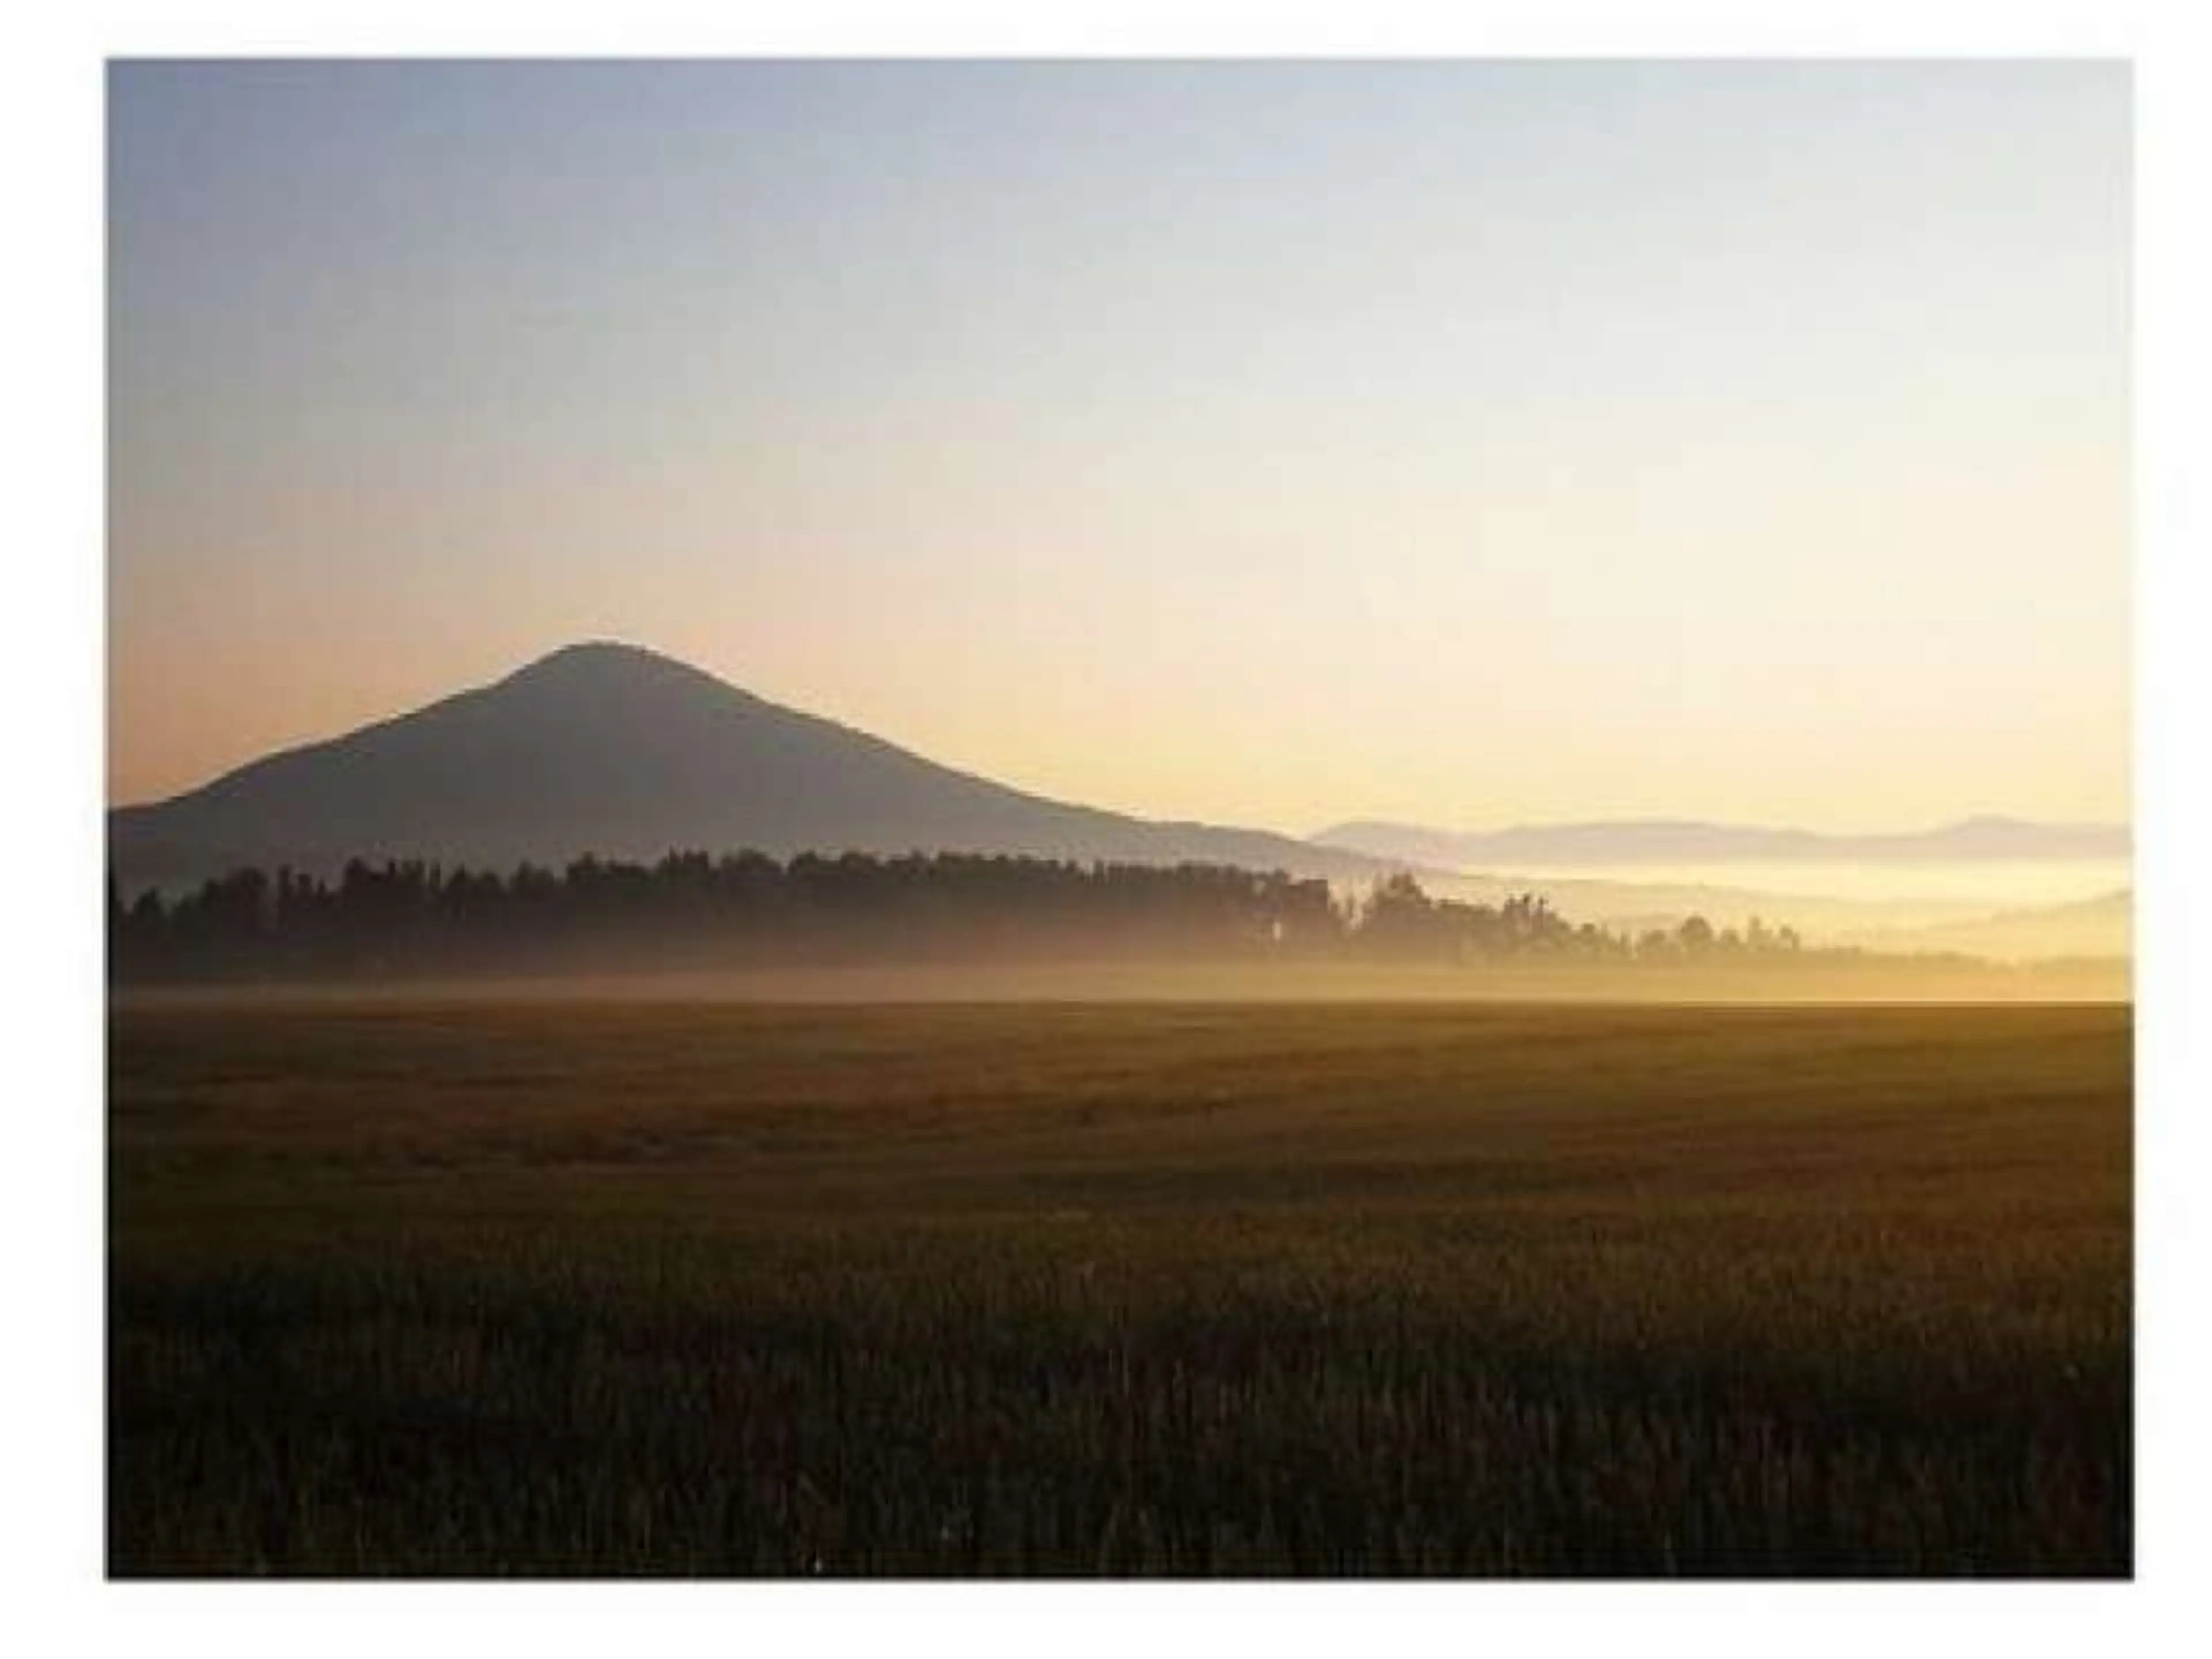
[{"x": 465, "y": 1288}]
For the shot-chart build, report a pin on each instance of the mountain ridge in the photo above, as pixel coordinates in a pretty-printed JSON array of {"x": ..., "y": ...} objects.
[
  {"x": 1991, "y": 836},
  {"x": 610, "y": 749},
  {"x": 2100, "y": 925}
]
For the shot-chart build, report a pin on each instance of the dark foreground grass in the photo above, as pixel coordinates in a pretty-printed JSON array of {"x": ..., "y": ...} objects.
[{"x": 654, "y": 1290}]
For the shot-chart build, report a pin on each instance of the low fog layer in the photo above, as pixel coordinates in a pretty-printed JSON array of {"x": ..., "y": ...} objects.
[
  {"x": 749, "y": 916},
  {"x": 626, "y": 753}
]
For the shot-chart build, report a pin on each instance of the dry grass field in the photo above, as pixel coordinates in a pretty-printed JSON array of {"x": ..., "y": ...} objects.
[{"x": 628, "y": 1288}]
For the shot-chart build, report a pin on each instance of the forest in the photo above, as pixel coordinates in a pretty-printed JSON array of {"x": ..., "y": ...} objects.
[{"x": 692, "y": 910}]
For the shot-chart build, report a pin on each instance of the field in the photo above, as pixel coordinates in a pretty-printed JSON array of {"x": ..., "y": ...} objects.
[{"x": 436, "y": 1288}]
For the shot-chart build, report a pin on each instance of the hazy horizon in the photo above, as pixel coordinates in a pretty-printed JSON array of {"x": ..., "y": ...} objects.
[
  {"x": 1261, "y": 444},
  {"x": 1841, "y": 878}
]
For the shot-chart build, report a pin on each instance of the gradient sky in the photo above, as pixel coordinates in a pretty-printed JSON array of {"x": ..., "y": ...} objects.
[{"x": 1265, "y": 443}]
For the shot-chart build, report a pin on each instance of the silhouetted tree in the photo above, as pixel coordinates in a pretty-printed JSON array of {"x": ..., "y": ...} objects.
[{"x": 690, "y": 909}]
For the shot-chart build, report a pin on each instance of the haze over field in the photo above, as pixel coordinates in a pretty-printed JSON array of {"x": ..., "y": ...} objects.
[{"x": 621, "y": 753}]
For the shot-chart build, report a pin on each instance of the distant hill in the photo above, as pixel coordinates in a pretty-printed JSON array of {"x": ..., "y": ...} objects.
[
  {"x": 1684, "y": 842},
  {"x": 2100, "y": 926},
  {"x": 618, "y": 751}
]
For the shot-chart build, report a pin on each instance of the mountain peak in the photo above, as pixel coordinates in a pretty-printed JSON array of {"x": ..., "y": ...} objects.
[
  {"x": 606, "y": 747},
  {"x": 602, "y": 659}
]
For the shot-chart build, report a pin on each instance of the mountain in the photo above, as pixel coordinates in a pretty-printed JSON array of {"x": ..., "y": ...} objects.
[
  {"x": 1635, "y": 906},
  {"x": 612, "y": 750},
  {"x": 1648, "y": 841},
  {"x": 2100, "y": 926}
]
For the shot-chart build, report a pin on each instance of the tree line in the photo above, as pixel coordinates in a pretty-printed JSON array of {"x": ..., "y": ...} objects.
[{"x": 745, "y": 909}]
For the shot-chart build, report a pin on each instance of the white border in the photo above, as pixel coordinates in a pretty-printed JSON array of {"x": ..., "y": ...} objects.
[{"x": 49, "y": 1495}]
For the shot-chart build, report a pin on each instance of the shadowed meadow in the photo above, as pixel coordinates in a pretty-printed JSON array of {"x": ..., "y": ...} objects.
[{"x": 472, "y": 1287}]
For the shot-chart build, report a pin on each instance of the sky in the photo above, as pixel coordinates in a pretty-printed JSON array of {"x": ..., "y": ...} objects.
[{"x": 1469, "y": 443}]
